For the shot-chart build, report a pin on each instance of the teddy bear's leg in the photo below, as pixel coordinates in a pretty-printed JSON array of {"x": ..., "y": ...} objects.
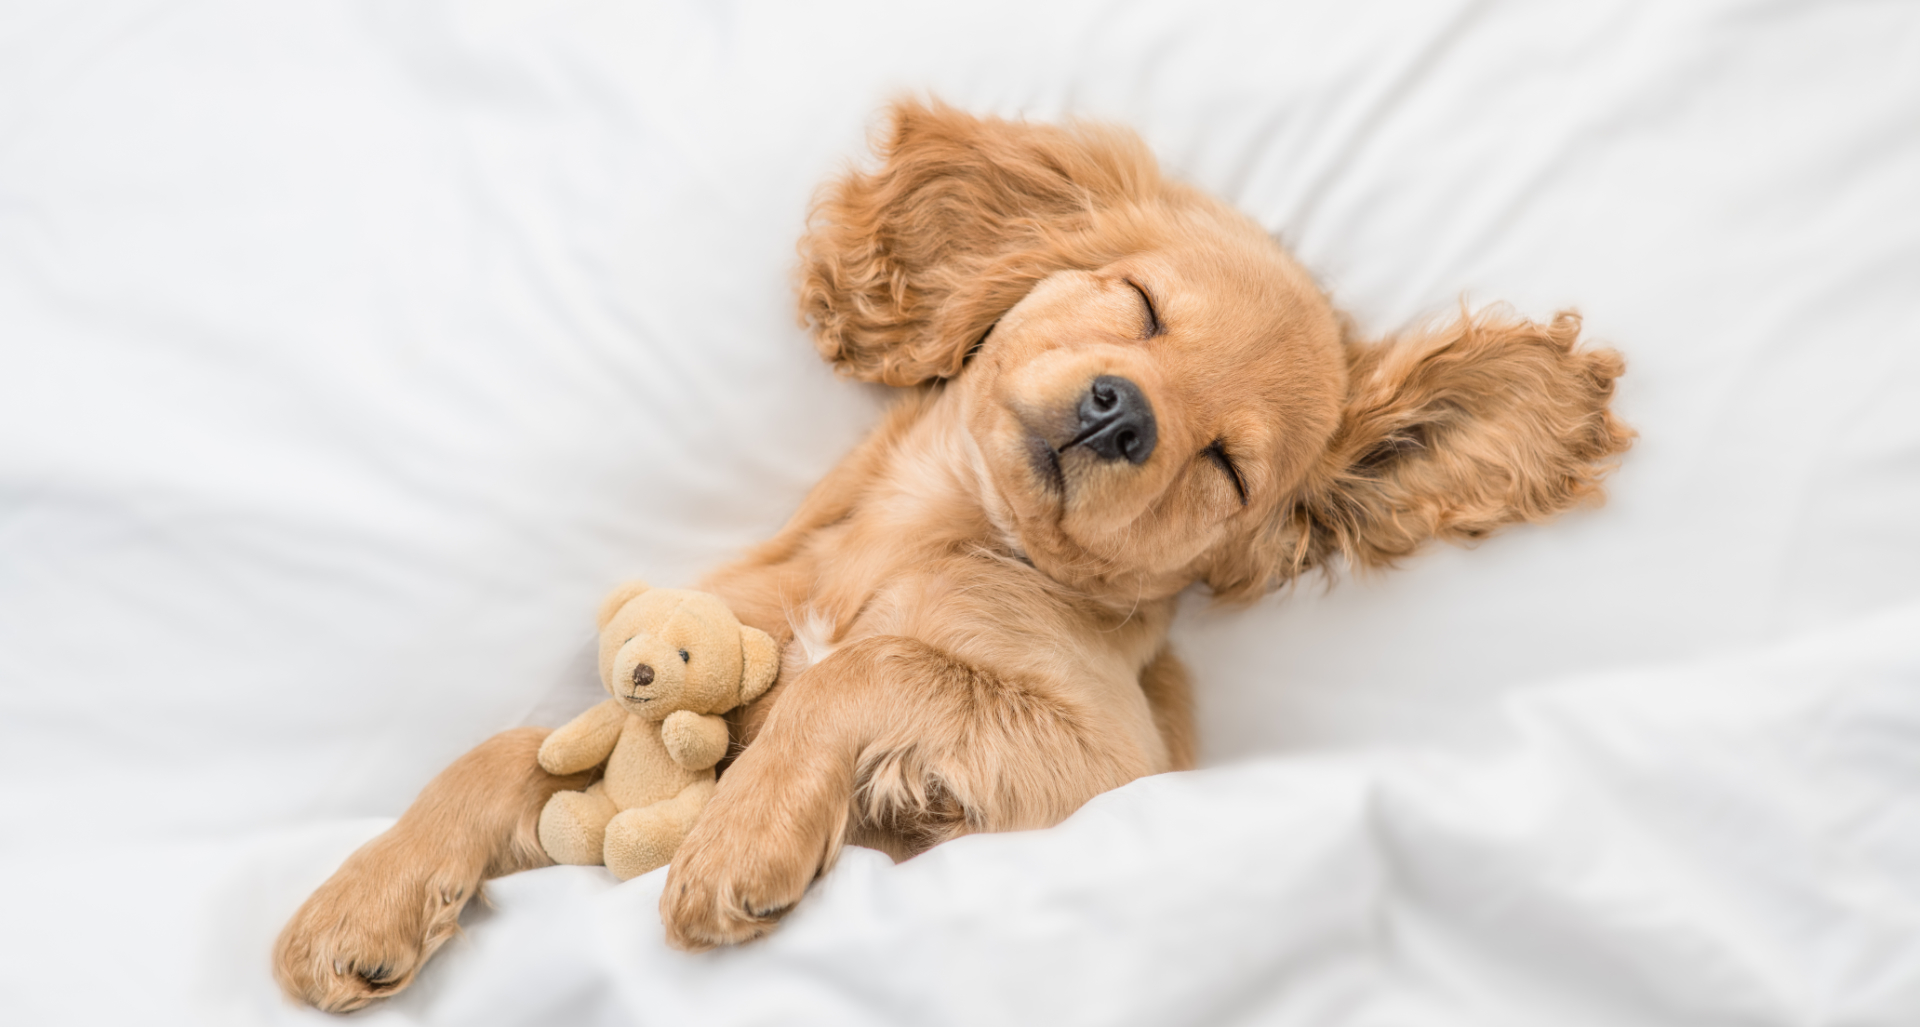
[
  {"x": 573, "y": 826},
  {"x": 644, "y": 838}
]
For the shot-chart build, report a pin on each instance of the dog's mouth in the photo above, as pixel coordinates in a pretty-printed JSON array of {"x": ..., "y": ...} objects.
[{"x": 1045, "y": 461}]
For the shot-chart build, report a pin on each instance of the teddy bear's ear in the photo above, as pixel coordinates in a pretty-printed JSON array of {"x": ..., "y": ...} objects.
[
  {"x": 618, "y": 598},
  {"x": 760, "y": 663}
]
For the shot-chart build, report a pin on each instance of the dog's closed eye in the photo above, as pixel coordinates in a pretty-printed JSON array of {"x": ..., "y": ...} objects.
[
  {"x": 1218, "y": 454},
  {"x": 1153, "y": 326}
]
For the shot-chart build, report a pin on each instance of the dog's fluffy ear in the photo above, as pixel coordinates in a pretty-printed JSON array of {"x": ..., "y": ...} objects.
[
  {"x": 1447, "y": 434},
  {"x": 906, "y": 268}
]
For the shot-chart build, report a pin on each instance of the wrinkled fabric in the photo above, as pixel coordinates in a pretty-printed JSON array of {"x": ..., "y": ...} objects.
[{"x": 349, "y": 353}]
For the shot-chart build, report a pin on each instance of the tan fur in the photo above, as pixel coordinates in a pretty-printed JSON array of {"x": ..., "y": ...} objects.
[
  {"x": 365, "y": 932},
  {"x": 973, "y": 610}
]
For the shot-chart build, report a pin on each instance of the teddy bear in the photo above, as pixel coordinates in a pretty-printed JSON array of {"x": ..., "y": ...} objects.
[{"x": 672, "y": 659}]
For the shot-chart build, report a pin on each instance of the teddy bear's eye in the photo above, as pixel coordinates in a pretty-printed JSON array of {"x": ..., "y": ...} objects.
[{"x": 684, "y": 657}]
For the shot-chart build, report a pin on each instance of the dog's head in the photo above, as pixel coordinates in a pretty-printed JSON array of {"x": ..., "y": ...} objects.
[{"x": 1154, "y": 391}]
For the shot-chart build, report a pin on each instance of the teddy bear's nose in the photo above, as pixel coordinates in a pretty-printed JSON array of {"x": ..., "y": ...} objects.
[{"x": 642, "y": 675}]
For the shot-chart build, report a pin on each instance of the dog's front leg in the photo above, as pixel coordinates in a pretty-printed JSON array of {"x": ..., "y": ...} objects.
[
  {"x": 934, "y": 746},
  {"x": 777, "y": 818},
  {"x": 367, "y": 931}
]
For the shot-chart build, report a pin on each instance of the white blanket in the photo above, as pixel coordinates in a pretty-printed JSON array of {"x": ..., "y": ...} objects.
[{"x": 350, "y": 352}]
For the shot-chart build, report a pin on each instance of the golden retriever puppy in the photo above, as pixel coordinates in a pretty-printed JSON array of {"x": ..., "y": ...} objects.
[{"x": 1116, "y": 388}]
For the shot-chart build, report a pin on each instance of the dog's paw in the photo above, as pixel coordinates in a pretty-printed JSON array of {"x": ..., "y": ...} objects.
[
  {"x": 723, "y": 894},
  {"x": 703, "y": 909},
  {"x": 366, "y": 932}
]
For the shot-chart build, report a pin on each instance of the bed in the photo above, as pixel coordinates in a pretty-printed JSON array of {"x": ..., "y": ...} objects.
[{"x": 349, "y": 352}]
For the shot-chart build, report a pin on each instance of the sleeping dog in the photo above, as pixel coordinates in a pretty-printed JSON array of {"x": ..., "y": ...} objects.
[{"x": 1114, "y": 387}]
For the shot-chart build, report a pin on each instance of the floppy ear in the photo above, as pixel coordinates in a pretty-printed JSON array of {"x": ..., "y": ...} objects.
[
  {"x": 616, "y": 599},
  {"x": 760, "y": 663},
  {"x": 1449, "y": 434},
  {"x": 905, "y": 269}
]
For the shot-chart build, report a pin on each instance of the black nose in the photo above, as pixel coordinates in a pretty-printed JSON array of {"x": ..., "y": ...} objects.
[
  {"x": 642, "y": 675},
  {"x": 1116, "y": 421}
]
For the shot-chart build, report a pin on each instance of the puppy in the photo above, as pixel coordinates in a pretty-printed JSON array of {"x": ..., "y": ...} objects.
[{"x": 1116, "y": 387}]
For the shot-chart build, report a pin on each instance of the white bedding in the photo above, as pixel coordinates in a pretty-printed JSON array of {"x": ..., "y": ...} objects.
[{"x": 349, "y": 352}]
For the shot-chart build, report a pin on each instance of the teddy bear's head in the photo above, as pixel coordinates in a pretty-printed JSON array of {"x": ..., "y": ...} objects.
[{"x": 668, "y": 649}]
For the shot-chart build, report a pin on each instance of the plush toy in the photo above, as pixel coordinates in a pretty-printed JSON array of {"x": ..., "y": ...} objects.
[{"x": 672, "y": 659}]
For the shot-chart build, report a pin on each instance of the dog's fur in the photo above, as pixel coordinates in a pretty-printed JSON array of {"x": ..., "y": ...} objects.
[{"x": 974, "y": 605}]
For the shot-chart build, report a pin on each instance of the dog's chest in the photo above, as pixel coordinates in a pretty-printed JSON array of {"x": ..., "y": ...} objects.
[{"x": 813, "y": 632}]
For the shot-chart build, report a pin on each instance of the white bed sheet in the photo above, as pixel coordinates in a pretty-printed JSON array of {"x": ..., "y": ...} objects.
[{"x": 349, "y": 352}]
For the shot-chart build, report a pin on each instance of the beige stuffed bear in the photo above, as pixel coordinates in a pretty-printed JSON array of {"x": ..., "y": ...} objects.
[{"x": 671, "y": 659}]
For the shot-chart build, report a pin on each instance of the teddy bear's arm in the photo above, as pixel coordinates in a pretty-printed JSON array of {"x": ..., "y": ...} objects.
[
  {"x": 583, "y": 741},
  {"x": 696, "y": 741}
]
